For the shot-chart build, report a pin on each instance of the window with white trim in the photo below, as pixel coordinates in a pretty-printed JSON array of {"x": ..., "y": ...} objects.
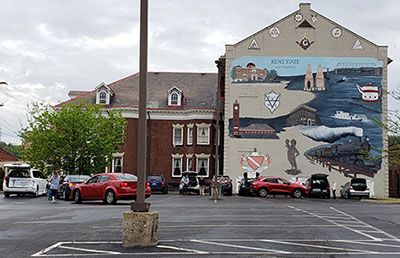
[
  {"x": 103, "y": 97},
  {"x": 117, "y": 165},
  {"x": 203, "y": 135},
  {"x": 189, "y": 163},
  {"x": 178, "y": 136},
  {"x": 202, "y": 166},
  {"x": 190, "y": 136},
  {"x": 176, "y": 167},
  {"x": 174, "y": 97}
]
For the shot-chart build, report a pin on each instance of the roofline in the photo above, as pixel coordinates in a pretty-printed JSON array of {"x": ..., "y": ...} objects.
[
  {"x": 287, "y": 16},
  {"x": 162, "y": 109}
]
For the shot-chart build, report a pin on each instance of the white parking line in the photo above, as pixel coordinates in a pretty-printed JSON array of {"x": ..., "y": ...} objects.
[
  {"x": 319, "y": 246},
  {"x": 88, "y": 250},
  {"x": 182, "y": 249},
  {"x": 240, "y": 246}
]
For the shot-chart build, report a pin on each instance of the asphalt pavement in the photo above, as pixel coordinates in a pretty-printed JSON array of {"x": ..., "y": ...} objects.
[{"x": 196, "y": 226}]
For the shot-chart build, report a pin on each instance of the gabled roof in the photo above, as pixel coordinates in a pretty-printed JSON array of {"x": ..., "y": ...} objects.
[
  {"x": 290, "y": 16},
  {"x": 5, "y": 156},
  {"x": 199, "y": 90},
  {"x": 103, "y": 85}
]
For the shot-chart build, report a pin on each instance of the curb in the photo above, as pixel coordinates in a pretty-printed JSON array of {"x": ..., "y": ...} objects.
[{"x": 383, "y": 201}]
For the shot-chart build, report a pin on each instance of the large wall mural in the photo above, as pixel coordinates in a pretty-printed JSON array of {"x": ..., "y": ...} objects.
[{"x": 340, "y": 117}]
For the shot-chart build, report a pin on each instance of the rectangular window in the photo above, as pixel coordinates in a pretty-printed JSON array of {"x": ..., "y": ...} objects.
[
  {"x": 202, "y": 167},
  {"x": 176, "y": 167},
  {"x": 190, "y": 136},
  {"x": 189, "y": 164},
  {"x": 178, "y": 136},
  {"x": 203, "y": 136},
  {"x": 117, "y": 165}
]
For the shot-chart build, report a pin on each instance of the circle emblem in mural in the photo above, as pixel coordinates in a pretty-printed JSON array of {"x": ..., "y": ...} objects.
[
  {"x": 336, "y": 32},
  {"x": 298, "y": 17},
  {"x": 274, "y": 32}
]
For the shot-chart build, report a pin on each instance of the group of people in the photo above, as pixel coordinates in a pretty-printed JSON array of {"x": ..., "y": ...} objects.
[{"x": 202, "y": 184}]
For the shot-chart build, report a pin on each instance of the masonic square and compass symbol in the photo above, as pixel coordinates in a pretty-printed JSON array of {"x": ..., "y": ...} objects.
[
  {"x": 305, "y": 42},
  {"x": 272, "y": 100}
]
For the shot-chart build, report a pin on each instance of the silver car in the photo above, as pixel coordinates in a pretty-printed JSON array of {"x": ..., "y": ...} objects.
[{"x": 357, "y": 187}]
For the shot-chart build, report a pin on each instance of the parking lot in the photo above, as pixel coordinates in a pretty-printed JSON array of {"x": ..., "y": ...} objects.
[{"x": 197, "y": 226}]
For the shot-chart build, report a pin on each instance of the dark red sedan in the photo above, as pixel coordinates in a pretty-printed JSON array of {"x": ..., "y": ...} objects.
[
  {"x": 277, "y": 185},
  {"x": 108, "y": 187}
]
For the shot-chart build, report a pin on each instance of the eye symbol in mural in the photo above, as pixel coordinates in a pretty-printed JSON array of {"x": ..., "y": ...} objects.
[
  {"x": 272, "y": 100},
  {"x": 305, "y": 42}
]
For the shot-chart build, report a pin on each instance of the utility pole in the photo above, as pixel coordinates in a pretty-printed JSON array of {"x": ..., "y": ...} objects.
[{"x": 140, "y": 204}]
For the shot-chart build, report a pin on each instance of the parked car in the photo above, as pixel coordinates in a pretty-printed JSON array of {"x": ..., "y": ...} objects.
[
  {"x": 193, "y": 185},
  {"x": 318, "y": 186},
  {"x": 67, "y": 183},
  {"x": 22, "y": 179},
  {"x": 158, "y": 183},
  {"x": 277, "y": 185},
  {"x": 108, "y": 187},
  {"x": 357, "y": 187},
  {"x": 226, "y": 186}
]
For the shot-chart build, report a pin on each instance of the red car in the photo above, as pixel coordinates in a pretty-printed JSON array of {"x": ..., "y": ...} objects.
[
  {"x": 108, "y": 187},
  {"x": 277, "y": 185}
]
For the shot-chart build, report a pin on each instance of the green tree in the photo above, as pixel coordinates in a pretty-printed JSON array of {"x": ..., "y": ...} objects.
[
  {"x": 77, "y": 138},
  {"x": 392, "y": 126}
]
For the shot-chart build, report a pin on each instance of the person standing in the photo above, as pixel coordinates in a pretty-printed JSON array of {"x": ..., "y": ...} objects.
[
  {"x": 54, "y": 184},
  {"x": 297, "y": 181},
  {"x": 202, "y": 185},
  {"x": 334, "y": 185},
  {"x": 185, "y": 181}
]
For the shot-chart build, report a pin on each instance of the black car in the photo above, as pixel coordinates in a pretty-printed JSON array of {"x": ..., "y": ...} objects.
[
  {"x": 67, "y": 183},
  {"x": 226, "y": 186},
  {"x": 245, "y": 186},
  {"x": 158, "y": 183},
  {"x": 318, "y": 186}
]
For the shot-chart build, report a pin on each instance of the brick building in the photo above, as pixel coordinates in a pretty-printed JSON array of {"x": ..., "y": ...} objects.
[{"x": 181, "y": 121}]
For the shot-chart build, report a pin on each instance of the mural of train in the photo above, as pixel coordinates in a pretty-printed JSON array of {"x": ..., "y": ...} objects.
[{"x": 352, "y": 152}]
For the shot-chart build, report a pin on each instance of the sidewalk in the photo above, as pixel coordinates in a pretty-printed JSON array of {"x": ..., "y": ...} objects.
[{"x": 382, "y": 200}]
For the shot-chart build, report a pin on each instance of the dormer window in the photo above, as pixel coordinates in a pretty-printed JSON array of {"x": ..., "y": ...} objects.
[
  {"x": 174, "y": 97},
  {"x": 102, "y": 97},
  {"x": 103, "y": 94}
]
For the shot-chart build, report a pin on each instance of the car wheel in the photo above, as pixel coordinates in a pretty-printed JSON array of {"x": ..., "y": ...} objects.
[
  {"x": 297, "y": 193},
  {"x": 110, "y": 197},
  {"x": 263, "y": 192},
  {"x": 229, "y": 193},
  {"x": 36, "y": 193},
  {"x": 6, "y": 195},
  {"x": 77, "y": 196}
]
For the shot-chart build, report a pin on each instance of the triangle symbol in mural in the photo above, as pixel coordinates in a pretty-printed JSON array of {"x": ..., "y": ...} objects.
[
  {"x": 305, "y": 24},
  {"x": 357, "y": 45},
  {"x": 254, "y": 45}
]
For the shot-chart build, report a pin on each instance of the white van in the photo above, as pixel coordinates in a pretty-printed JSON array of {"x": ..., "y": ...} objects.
[{"x": 22, "y": 179}]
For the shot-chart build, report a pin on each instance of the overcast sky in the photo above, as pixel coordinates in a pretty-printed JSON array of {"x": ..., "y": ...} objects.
[{"x": 49, "y": 47}]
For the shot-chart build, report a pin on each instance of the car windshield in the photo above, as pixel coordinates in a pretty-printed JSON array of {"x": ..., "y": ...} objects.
[
  {"x": 127, "y": 177},
  {"x": 78, "y": 178},
  {"x": 19, "y": 173},
  {"x": 154, "y": 178}
]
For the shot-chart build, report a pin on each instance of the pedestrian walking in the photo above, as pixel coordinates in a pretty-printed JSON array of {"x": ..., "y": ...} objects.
[
  {"x": 334, "y": 185},
  {"x": 54, "y": 184},
  {"x": 202, "y": 185}
]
